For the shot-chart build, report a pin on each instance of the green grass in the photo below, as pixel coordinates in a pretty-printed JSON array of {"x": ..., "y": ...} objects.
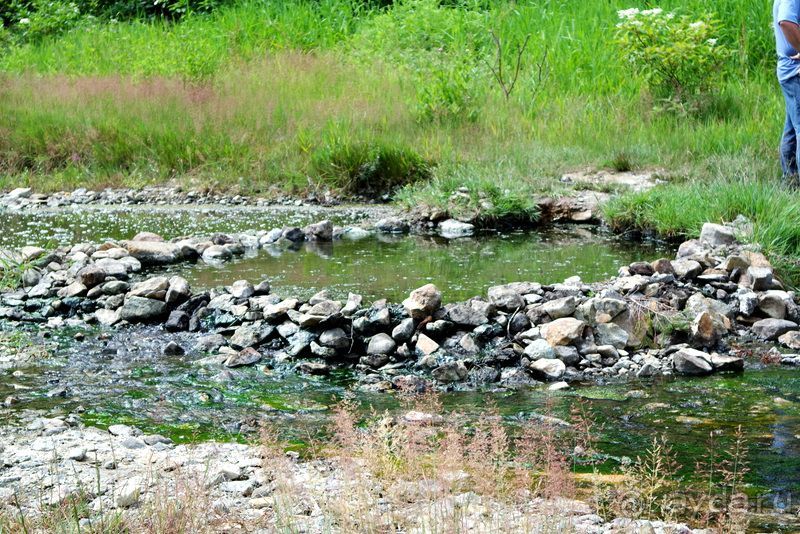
[
  {"x": 297, "y": 95},
  {"x": 680, "y": 210}
]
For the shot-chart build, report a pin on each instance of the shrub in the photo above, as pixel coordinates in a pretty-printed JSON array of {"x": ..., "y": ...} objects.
[
  {"x": 678, "y": 56},
  {"x": 44, "y": 18},
  {"x": 368, "y": 168}
]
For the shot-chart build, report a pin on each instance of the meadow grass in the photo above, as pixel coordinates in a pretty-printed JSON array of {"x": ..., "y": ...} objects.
[{"x": 268, "y": 96}]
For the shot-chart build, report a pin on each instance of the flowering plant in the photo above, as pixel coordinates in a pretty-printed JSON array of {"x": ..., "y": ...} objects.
[{"x": 680, "y": 57}]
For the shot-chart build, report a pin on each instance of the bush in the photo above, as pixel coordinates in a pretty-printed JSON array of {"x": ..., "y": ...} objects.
[
  {"x": 45, "y": 18},
  {"x": 678, "y": 56},
  {"x": 368, "y": 169}
]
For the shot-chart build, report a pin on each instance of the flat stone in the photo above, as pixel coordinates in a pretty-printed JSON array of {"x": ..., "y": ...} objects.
[
  {"x": 154, "y": 253},
  {"x": 560, "y": 308},
  {"x": 539, "y": 349},
  {"x": 152, "y": 288},
  {"x": 506, "y": 298},
  {"x": 247, "y": 356},
  {"x": 790, "y": 340},
  {"x": 453, "y": 229},
  {"x": 425, "y": 345},
  {"x": 178, "y": 291},
  {"x": 717, "y": 235},
  {"x": 450, "y": 372},
  {"x": 129, "y": 492},
  {"x": 727, "y": 363},
  {"x": 335, "y": 338}
]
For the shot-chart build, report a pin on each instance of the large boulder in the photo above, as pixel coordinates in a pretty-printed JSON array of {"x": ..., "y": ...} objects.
[
  {"x": 321, "y": 231},
  {"x": 423, "y": 301},
  {"x": 772, "y": 329},
  {"x": 381, "y": 344},
  {"x": 452, "y": 229},
  {"x": 611, "y": 334},
  {"x": 565, "y": 331},
  {"x": 692, "y": 362}
]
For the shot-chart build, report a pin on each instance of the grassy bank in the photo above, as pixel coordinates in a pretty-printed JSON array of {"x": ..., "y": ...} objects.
[{"x": 298, "y": 95}]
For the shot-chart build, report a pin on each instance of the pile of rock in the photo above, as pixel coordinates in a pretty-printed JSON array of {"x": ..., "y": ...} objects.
[{"x": 664, "y": 317}]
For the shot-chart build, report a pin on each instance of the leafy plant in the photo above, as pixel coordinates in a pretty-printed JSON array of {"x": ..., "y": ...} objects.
[{"x": 678, "y": 56}]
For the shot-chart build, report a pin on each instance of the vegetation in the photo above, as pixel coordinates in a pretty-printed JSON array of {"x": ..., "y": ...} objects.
[
  {"x": 438, "y": 472},
  {"x": 472, "y": 107}
]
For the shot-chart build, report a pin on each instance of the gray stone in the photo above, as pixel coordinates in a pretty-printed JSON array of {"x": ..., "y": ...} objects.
[
  {"x": 173, "y": 349},
  {"x": 560, "y": 308},
  {"x": 152, "y": 288},
  {"x": 403, "y": 331},
  {"x": 381, "y": 344},
  {"x": 717, "y": 235},
  {"x": 773, "y": 304},
  {"x": 251, "y": 335},
  {"x": 506, "y": 298},
  {"x": 217, "y": 253},
  {"x": 686, "y": 269},
  {"x": 790, "y": 340},
  {"x": 760, "y": 278},
  {"x": 91, "y": 276},
  {"x": 539, "y": 349},
  {"x": 335, "y": 338},
  {"x": 178, "y": 291},
  {"x": 321, "y": 231},
  {"x": 772, "y": 329},
  {"x": 450, "y": 372},
  {"x": 154, "y": 253},
  {"x": 142, "y": 309},
  {"x": 425, "y": 345},
  {"x": 75, "y": 289},
  {"x": 692, "y": 362},
  {"x": 247, "y": 356},
  {"x": 392, "y": 225},
  {"x": 452, "y": 229},
  {"x": 242, "y": 289},
  {"x": 548, "y": 369},
  {"x": 465, "y": 314},
  {"x": 129, "y": 492},
  {"x": 727, "y": 363}
]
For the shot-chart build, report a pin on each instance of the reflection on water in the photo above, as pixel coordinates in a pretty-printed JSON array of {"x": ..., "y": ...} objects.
[{"x": 390, "y": 267}]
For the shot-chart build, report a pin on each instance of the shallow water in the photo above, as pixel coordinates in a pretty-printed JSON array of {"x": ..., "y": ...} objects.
[{"x": 125, "y": 379}]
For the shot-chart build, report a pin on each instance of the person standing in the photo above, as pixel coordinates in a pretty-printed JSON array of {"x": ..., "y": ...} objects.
[{"x": 786, "y": 21}]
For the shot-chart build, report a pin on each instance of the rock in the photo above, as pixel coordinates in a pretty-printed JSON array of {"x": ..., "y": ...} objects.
[
  {"x": 760, "y": 278},
  {"x": 539, "y": 349},
  {"x": 426, "y": 346},
  {"x": 403, "y": 331},
  {"x": 173, "y": 349},
  {"x": 154, "y": 253},
  {"x": 662, "y": 266},
  {"x": 422, "y": 302},
  {"x": 142, "y": 309},
  {"x": 262, "y": 288},
  {"x": 91, "y": 276},
  {"x": 115, "y": 287},
  {"x": 374, "y": 361},
  {"x": 708, "y": 328},
  {"x": 335, "y": 338},
  {"x": 565, "y": 331},
  {"x": 19, "y": 193},
  {"x": 790, "y": 340},
  {"x": 452, "y": 229},
  {"x": 106, "y": 317},
  {"x": 692, "y": 362},
  {"x": 727, "y": 363},
  {"x": 313, "y": 368},
  {"x": 77, "y": 454},
  {"x": 148, "y": 236},
  {"x": 322, "y": 352},
  {"x": 392, "y": 225},
  {"x": 381, "y": 344},
  {"x": 686, "y": 269},
  {"x": 773, "y": 304},
  {"x": 548, "y": 369},
  {"x": 506, "y": 298},
  {"x": 178, "y": 291},
  {"x": 294, "y": 234},
  {"x": 242, "y": 289},
  {"x": 129, "y": 492},
  {"x": 152, "y": 288},
  {"x": 465, "y": 314},
  {"x": 247, "y": 356},
  {"x": 251, "y": 335},
  {"x": 772, "y": 329},
  {"x": 450, "y": 372},
  {"x": 352, "y": 305},
  {"x": 178, "y": 321},
  {"x": 75, "y": 289},
  {"x": 560, "y": 308},
  {"x": 217, "y": 253},
  {"x": 717, "y": 235},
  {"x": 321, "y": 231}
]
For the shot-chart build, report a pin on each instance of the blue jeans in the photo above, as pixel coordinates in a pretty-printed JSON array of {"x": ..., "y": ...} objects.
[{"x": 789, "y": 146}]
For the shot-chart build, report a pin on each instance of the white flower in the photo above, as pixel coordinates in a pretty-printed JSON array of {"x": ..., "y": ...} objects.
[
  {"x": 712, "y": 42},
  {"x": 652, "y": 12},
  {"x": 25, "y": 21},
  {"x": 697, "y": 25},
  {"x": 628, "y": 13}
]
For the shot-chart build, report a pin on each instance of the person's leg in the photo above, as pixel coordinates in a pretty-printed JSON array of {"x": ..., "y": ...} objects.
[{"x": 790, "y": 150}]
